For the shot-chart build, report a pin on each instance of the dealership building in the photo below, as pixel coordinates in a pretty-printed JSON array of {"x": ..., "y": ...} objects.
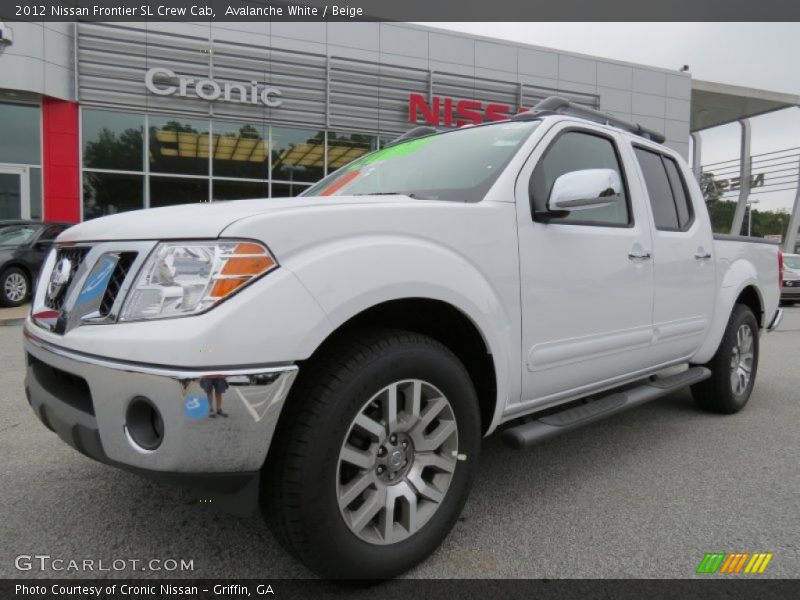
[{"x": 99, "y": 118}]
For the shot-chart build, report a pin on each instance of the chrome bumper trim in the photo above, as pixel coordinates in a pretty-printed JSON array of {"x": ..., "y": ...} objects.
[
  {"x": 252, "y": 400},
  {"x": 776, "y": 320},
  {"x": 177, "y": 373}
]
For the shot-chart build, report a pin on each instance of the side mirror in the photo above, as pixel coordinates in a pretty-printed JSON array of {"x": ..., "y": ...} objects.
[
  {"x": 43, "y": 244},
  {"x": 588, "y": 188}
]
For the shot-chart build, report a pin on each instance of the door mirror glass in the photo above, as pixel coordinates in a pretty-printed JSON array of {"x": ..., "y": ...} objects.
[{"x": 587, "y": 188}]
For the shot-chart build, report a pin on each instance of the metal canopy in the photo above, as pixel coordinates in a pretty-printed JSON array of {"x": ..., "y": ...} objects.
[{"x": 719, "y": 103}]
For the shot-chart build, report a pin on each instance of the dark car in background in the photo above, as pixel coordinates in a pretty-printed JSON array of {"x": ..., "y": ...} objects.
[{"x": 23, "y": 247}]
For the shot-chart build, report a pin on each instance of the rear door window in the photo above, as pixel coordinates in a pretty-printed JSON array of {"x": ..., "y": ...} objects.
[
  {"x": 666, "y": 189},
  {"x": 682, "y": 200}
]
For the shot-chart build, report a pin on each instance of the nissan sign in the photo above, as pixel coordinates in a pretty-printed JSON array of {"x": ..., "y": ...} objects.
[{"x": 164, "y": 82}]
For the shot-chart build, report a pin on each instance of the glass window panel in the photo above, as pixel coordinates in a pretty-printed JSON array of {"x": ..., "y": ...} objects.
[
  {"x": 287, "y": 190},
  {"x": 460, "y": 165},
  {"x": 297, "y": 154},
  {"x": 36, "y": 193},
  {"x": 112, "y": 140},
  {"x": 51, "y": 233},
  {"x": 238, "y": 190},
  {"x": 240, "y": 151},
  {"x": 178, "y": 146},
  {"x": 10, "y": 196},
  {"x": 165, "y": 191},
  {"x": 682, "y": 201},
  {"x": 576, "y": 151},
  {"x": 19, "y": 132},
  {"x": 344, "y": 148},
  {"x": 658, "y": 189},
  {"x": 387, "y": 139},
  {"x": 110, "y": 193}
]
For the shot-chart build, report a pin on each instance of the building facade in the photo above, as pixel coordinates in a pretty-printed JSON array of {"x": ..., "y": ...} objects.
[{"x": 98, "y": 118}]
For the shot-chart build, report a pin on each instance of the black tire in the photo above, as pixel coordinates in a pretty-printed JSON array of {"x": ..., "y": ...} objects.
[
  {"x": 15, "y": 287},
  {"x": 300, "y": 484},
  {"x": 717, "y": 394}
]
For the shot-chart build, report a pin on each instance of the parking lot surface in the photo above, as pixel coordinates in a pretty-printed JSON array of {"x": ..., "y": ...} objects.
[{"x": 643, "y": 494}]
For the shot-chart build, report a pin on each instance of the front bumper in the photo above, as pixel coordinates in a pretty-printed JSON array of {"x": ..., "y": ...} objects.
[{"x": 85, "y": 399}]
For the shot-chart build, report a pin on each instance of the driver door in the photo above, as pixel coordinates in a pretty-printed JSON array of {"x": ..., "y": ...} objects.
[{"x": 587, "y": 277}]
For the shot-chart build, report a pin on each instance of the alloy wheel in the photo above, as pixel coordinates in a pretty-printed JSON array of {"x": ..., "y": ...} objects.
[
  {"x": 742, "y": 359},
  {"x": 397, "y": 461},
  {"x": 15, "y": 287}
]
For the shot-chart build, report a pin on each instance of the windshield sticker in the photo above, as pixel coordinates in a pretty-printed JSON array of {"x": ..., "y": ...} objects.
[
  {"x": 402, "y": 149},
  {"x": 340, "y": 183}
]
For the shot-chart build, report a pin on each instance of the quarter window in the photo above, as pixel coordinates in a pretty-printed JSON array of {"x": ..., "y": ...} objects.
[
  {"x": 666, "y": 189},
  {"x": 576, "y": 151}
]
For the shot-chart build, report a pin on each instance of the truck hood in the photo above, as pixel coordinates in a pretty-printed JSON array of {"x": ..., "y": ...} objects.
[{"x": 206, "y": 220}]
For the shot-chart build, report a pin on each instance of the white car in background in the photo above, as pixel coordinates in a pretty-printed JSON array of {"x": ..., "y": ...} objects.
[{"x": 790, "y": 287}]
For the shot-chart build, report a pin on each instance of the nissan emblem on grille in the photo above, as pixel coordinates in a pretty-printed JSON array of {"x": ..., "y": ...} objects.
[{"x": 59, "y": 278}]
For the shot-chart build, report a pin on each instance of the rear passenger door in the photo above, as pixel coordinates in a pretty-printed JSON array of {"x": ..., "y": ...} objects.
[{"x": 682, "y": 258}]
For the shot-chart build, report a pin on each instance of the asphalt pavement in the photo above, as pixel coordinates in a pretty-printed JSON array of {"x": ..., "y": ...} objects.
[{"x": 643, "y": 494}]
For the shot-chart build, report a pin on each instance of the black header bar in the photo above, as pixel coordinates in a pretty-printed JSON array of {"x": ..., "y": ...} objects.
[{"x": 401, "y": 10}]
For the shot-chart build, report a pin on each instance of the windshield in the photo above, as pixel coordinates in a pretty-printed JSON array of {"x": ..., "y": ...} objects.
[
  {"x": 793, "y": 262},
  {"x": 459, "y": 165},
  {"x": 15, "y": 235}
]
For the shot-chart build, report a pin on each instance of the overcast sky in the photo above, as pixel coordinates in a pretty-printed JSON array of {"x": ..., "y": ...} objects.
[{"x": 760, "y": 55}]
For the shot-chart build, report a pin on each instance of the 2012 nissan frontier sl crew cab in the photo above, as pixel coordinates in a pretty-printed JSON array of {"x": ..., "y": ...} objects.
[{"x": 338, "y": 356}]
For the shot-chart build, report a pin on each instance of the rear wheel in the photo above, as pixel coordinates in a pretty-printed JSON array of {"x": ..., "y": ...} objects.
[
  {"x": 14, "y": 287},
  {"x": 374, "y": 457},
  {"x": 733, "y": 367}
]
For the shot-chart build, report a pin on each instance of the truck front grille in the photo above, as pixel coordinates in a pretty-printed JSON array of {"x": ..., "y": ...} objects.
[
  {"x": 124, "y": 264},
  {"x": 67, "y": 387},
  {"x": 75, "y": 255}
]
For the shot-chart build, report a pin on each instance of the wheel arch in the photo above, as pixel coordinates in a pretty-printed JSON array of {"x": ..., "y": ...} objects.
[
  {"x": 748, "y": 294},
  {"x": 751, "y": 297},
  {"x": 21, "y": 266},
  {"x": 441, "y": 321}
]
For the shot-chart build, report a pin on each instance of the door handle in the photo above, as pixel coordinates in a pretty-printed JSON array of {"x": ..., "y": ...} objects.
[
  {"x": 639, "y": 255},
  {"x": 702, "y": 255}
]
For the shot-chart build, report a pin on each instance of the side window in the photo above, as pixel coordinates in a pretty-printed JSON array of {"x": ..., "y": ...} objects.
[
  {"x": 575, "y": 151},
  {"x": 669, "y": 200},
  {"x": 51, "y": 233},
  {"x": 683, "y": 202}
]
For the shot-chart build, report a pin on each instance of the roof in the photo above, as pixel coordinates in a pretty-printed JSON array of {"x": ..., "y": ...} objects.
[{"x": 716, "y": 104}]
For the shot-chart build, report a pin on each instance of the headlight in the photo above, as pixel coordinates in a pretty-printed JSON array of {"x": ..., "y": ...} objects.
[{"x": 186, "y": 278}]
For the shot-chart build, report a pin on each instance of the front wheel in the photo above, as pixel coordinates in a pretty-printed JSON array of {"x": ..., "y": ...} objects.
[
  {"x": 733, "y": 367},
  {"x": 374, "y": 458}
]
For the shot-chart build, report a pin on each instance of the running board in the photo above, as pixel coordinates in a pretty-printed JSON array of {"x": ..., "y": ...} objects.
[{"x": 529, "y": 433}]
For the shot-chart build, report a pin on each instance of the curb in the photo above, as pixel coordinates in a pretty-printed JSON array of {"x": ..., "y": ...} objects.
[{"x": 12, "y": 322}]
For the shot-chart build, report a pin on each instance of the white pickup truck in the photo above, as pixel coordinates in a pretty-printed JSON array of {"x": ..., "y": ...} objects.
[{"x": 337, "y": 357}]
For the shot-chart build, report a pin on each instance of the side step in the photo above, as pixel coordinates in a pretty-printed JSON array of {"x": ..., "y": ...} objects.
[{"x": 532, "y": 432}]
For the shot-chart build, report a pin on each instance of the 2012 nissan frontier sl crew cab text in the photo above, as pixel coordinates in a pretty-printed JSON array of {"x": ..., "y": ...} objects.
[{"x": 337, "y": 357}]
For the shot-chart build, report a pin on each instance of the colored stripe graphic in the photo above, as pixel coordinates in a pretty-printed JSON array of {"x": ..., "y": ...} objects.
[
  {"x": 711, "y": 562},
  {"x": 734, "y": 562},
  {"x": 758, "y": 563}
]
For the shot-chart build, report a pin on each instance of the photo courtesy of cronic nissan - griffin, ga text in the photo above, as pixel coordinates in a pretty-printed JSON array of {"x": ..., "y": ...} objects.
[{"x": 335, "y": 359}]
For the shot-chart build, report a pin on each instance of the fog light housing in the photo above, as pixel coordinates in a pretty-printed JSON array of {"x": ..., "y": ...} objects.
[{"x": 143, "y": 424}]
